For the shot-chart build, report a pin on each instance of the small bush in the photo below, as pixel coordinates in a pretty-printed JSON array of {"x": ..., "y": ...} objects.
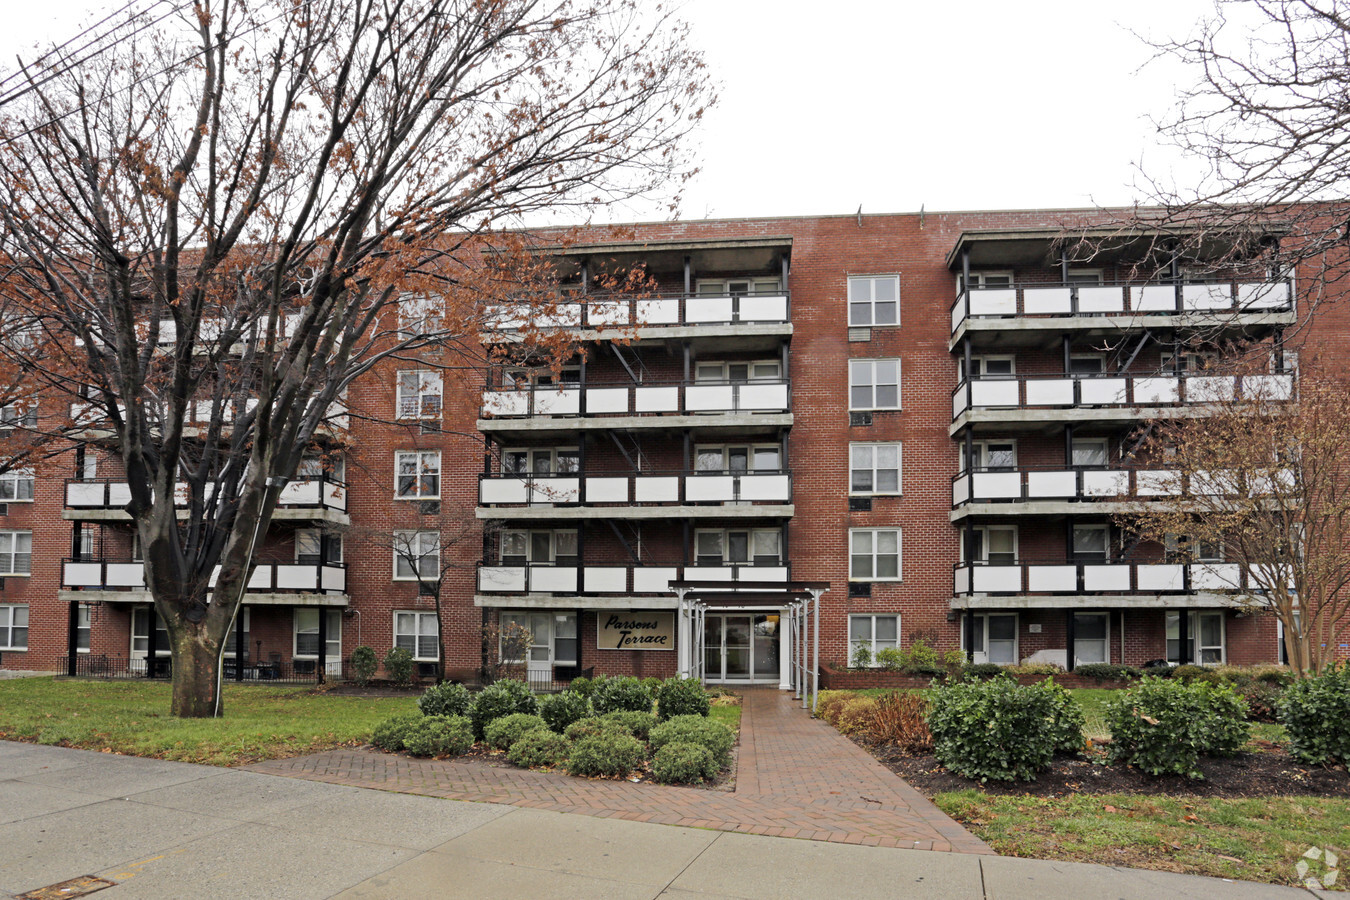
[
  {"x": 862, "y": 655},
  {"x": 856, "y": 715},
  {"x": 1107, "y": 671},
  {"x": 1159, "y": 668},
  {"x": 541, "y": 748},
  {"x": 954, "y": 660},
  {"x": 891, "y": 659},
  {"x": 501, "y": 733},
  {"x": 983, "y": 671},
  {"x": 444, "y": 699},
  {"x": 439, "y": 736},
  {"x": 398, "y": 662},
  {"x": 623, "y": 692},
  {"x": 1034, "y": 668},
  {"x": 1263, "y": 699},
  {"x": 830, "y": 703},
  {"x": 364, "y": 665},
  {"x": 501, "y": 698},
  {"x": 683, "y": 763},
  {"x": 1196, "y": 673},
  {"x": 582, "y": 685},
  {"x": 1316, "y": 713},
  {"x": 651, "y": 683},
  {"x": 605, "y": 754},
  {"x": 921, "y": 659},
  {"x": 1164, "y": 726},
  {"x": 1001, "y": 730},
  {"x": 560, "y": 710},
  {"x": 901, "y": 720},
  {"x": 717, "y": 737},
  {"x": 638, "y": 724},
  {"x": 389, "y": 734},
  {"x": 595, "y": 725},
  {"x": 682, "y": 697}
]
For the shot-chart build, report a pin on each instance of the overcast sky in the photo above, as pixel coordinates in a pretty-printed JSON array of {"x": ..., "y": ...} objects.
[{"x": 828, "y": 104}]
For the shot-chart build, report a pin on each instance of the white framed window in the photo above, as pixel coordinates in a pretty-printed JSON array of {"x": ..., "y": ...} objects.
[
  {"x": 991, "y": 456},
  {"x": 737, "y": 287},
  {"x": 995, "y": 545},
  {"x": 522, "y": 379},
  {"x": 242, "y": 617},
  {"x": 1087, "y": 364},
  {"x": 995, "y": 638},
  {"x": 874, "y": 469},
  {"x": 313, "y": 468},
  {"x": 1190, "y": 363},
  {"x": 987, "y": 367},
  {"x": 16, "y": 552},
  {"x": 418, "y": 474},
  {"x": 307, "y": 633},
  {"x": 737, "y": 458},
  {"x": 14, "y": 627},
  {"x": 533, "y": 461},
  {"x": 987, "y": 280},
  {"x": 420, "y": 316},
  {"x": 1083, "y": 276},
  {"x": 17, "y": 486},
  {"x": 738, "y": 372},
  {"x": 140, "y": 633},
  {"x": 738, "y": 546},
  {"x": 874, "y": 554},
  {"x": 82, "y": 628},
  {"x": 1091, "y": 638},
  {"x": 87, "y": 470},
  {"x": 417, "y": 633},
  {"x": 874, "y": 384},
  {"x": 20, "y": 414},
  {"x": 1185, "y": 548},
  {"x": 1091, "y": 543},
  {"x": 873, "y": 631},
  {"x": 309, "y": 547},
  {"x": 420, "y": 393},
  {"x": 873, "y": 300},
  {"x": 1205, "y": 645},
  {"x": 540, "y": 548},
  {"x": 417, "y": 554},
  {"x": 1090, "y": 452}
]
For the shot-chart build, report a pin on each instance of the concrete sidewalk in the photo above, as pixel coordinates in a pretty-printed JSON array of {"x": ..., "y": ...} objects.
[{"x": 161, "y": 829}]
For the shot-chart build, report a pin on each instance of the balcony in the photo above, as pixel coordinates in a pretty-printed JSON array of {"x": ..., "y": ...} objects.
[
  {"x": 1050, "y": 305},
  {"x": 648, "y": 405},
  {"x": 619, "y": 582},
  {"x": 1105, "y": 583},
  {"x": 1109, "y": 397},
  {"x": 318, "y": 499},
  {"x": 649, "y": 495},
  {"x": 282, "y": 582},
  {"x": 652, "y": 315}
]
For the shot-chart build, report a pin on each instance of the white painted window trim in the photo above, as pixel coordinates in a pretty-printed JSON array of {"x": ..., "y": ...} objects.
[
  {"x": 10, "y": 625},
  {"x": 872, "y": 641},
  {"x": 871, "y": 383},
  {"x": 875, "y": 555},
  {"x": 871, "y": 302},
  {"x": 402, "y": 541},
  {"x": 419, "y": 616},
  {"x": 418, "y": 475},
  {"x": 899, "y": 469}
]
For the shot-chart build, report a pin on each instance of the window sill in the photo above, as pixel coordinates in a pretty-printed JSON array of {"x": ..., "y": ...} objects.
[{"x": 876, "y": 580}]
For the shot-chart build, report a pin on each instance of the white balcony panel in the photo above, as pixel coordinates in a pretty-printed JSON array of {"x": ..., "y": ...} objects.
[
  {"x": 959, "y": 401},
  {"x": 710, "y": 397},
  {"x": 1047, "y": 301},
  {"x": 506, "y": 403},
  {"x": 1219, "y": 483},
  {"x": 607, "y": 314},
  {"x": 1107, "y": 578},
  {"x": 656, "y": 399},
  {"x": 1103, "y": 391},
  {"x": 1156, "y": 298},
  {"x": 333, "y": 578},
  {"x": 503, "y": 490},
  {"x": 607, "y": 400},
  {"x": 1207, "y": 297},
  {"x": 502, "y": 578},
  {"x": 1268, "y": 387},
  {"x": 85, "y": 495},
  {"x": 557, "y": 401},
  {"x": 764, "y": 309},
  {"x": 553, "y": 578},
  {"x": 993, "y": 302},
  {"x": 303, "y": 493},
  {"x": 565, "y": 315},
  {"x": 988, "y": 392},
  {"x": 130, "y": 575},
  {"x": 1050, "y": 392},
  {"x": 998, "y": 485},
  {"x": 119, "y": 495},
  {"x": 605, "y": 579},
  {"x": 1215, "y": 576},
  {"x": 960, "y": 490},
  {"x": 555, "y": 490},
  {"x": 709, "y": 573},
  {"x": 765, "y": 573},
  {"x": 607, "y": 490},
  {"x": 709, "y": 488},
  {"x": 658, "y": 489},
  {"x": 260, "y": 580},
  {"x": 1148, "y": 391},
  {"x": 1052, "y": 579},
  {"x": 961, "y": 580},
  {"x": 75, "y": 574},
  {"x": 998, "y": 579},
  {"x": 658, "y": 312},
  {"x": 505, "y": 317},
  {"x": 958, "y": 315},
  {"x": 698, "y": 310},
  {"x": 1101, "y": 299},
  {"x": 1051, "y": 485},
  {"x": 1209, "y": 389},
  {"x": 1160, "y": 578},
  {"x": 1266, "y": 295},
  {"x": 766, "y": 488},
  {"x": 653, "y": 579},
  {"x": 297, "y": 578},
  {"x": 1157, "y": 483},
  {"x": 1106, "y": 484},
  {"x": 763, "y": 396}
]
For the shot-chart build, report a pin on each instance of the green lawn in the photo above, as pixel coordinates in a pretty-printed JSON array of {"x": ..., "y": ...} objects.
[
  {"x": 727, "y": 715},
  {"x": 133, "y": 718},
  {"x": 1259, "y": 839}
]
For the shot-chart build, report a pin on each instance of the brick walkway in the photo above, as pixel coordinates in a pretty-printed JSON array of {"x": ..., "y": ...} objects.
[{"x": 795, "y": 777}]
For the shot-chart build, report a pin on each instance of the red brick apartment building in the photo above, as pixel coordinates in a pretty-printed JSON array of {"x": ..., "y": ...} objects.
[{"x": 930, "y": 414}]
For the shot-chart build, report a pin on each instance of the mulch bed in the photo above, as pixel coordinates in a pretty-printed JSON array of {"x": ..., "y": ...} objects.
[{"x": 1269, "y": 771}]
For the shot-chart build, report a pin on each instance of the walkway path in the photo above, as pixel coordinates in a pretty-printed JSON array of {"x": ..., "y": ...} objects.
[{"x": 795, "y": 777}]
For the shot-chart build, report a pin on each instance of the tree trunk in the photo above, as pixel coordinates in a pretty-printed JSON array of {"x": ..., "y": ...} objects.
[{"x": 195, "y": 677}]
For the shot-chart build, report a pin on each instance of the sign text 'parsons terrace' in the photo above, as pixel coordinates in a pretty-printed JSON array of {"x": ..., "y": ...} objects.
[{"x": 636, "y": 631}]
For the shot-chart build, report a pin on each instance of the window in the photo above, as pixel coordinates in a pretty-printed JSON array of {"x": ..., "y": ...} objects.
[
  {"x": 735, "y": 459},
  {"x": 1091, "y": 636},
  {"x": 1184, "y": 548},
  {"x": 16, "y": 552},
  {"x": 13, "y": 627},
  {"x": 419, "y": 394},
  {"x": 738, "y": 372},
  {"x": 738, "y": 547},
  {"x": 82, "y": 628},
  {"x": 995, "y": 638},
  {"x": 309, "y": 547},
  {"x": 987, "y": 367},
  {"x": 874, "y": 384},
  {"x": 417, "y": 633},
  {"x": 874, "y": 554},
  {"x": 307, "y": 633},
  {"x": 312, "y": 468},
  {"x": 563, "y": 461},
  {"x": 737, "y": 287},
  {"x": 990, "y": 280},
  {"x": 19, "y": 415},
  {"x": 419, "y": 474},
  {"x": 1090, "y": 453},
  {"x": 1091, "y": 543},
  {"x": 1204, "y": 643},
  {"x": 553, "y": 637},
  {"x": 232, "y": 641},
  {"x": 420, "y": 316},
  {"x": 874, "y": 632},
  {"x": 523, "y": 379},
  {"x": 995, "y": 545},
  {"x": 1087, "y": 364},
  {"x": 1083, "y": 276},
  {"x": 417, "y": 554},
  {"x": 86, "y": 467},
  {"x": 874, "y": 300},
  {"x": 16, "y": 485},
  {"x": 874, "y": 468},
  {"x": 140, "y": 633},
  {"x": 540, "y": 547},
  {"x": 992, "y": 456}
]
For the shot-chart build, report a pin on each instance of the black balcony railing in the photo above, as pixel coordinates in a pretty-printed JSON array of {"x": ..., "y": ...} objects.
[
  {"x": 650, "y": 398},
  {"x": 648, "y": 310},
  {"x": 649, "y": 487}
]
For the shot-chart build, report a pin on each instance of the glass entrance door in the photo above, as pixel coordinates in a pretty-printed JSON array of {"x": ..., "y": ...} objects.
[{"x": 741, "y": 648}]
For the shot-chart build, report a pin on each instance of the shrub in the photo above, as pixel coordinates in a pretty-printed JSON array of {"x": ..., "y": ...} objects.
[
  {"x": 830, "y": 703},
  {"x": 1000, "y": 729},
  {"x": 560, "y": 710},
  {"x": 1159, "y": 668},
  {"x": 502, "y": 732},
  {"x": 717, "y": 737},
  {"x": 983, "y": 671},
  {"x": 1107, "y": 671},
  {"x": 364, "y": 663},
  {"x": 681, "y": 762},
  {"x": 901, "y": 719},
  {"x": 638, "y": 724},
  {"x": 389, "y": 734},
  {"x": 501, "y": 698},
  {"x": 439, "y": 736},
  {"x": 856, "y": 715},
  {"x": 891, "y": 659},
  {"x": 1163, "y": 726},
  {"x": 605, "y": 754},
  {"x": 623, "y": 692},
  {"x": 921, "y": 659},
  {"x": 651, "y": 683},
  {"x": 582, "y": 685},
  {"x": 862, "y": 656},
  {"x": 1035, "y": 668},
  {"x": 541, "y": 748},
  {"x": 398, "y": 662},
  {"x": 1196, "y": 673},
  {"x": 954, "y": 660},
  {"x": 594, "y": 725},
  {"x": 1263, "y": 699},
  {"x": 1316, "y": 713},
  {"x": 681, "y": 697},
  {"x": 444, "y": 699}
]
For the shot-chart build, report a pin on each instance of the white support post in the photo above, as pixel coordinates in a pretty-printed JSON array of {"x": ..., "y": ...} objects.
[
  {"x": 806, "y": 637},
  {"x": 683, "y": 636},
  {"x": 815, "y": 663}
]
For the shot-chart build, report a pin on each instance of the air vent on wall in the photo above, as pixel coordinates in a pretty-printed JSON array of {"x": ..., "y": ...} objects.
[
  {"x": 4, "y": 509},
  {"x": 426, "y": 590},
  {"x": 859, "y": 334},
  {"x": 860, "y": 588},
  {"x": 860, "y": 418},
  {"x": 431, "y": 427},
  {"x": 429, "y": 507},
  {"x": 859, "y": 504}
]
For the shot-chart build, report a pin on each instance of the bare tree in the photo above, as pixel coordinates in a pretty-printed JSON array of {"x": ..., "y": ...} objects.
[{"x": 222, "y": 223}]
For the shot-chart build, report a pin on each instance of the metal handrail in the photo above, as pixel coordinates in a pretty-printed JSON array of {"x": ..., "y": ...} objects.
[{"x": 1021, "y": 286}]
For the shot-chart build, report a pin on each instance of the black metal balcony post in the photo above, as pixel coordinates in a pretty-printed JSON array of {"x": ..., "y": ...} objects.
[
  {"x": 1183, "y": 636},
  {"x": 965, "y": 284},
  {"x": 239, "y": 643},
  {"x": 72, "y": 638},
  {"x": 581, "y": 387},
  {"x": 970, "y": 634},
  {"x": 969, "y": 373},
  {"x": 1069, "y": 641},
  {"x": 784, "y": 260},
  {"x": 151, "y": 642},
  {"x": 323, "y": 643}
]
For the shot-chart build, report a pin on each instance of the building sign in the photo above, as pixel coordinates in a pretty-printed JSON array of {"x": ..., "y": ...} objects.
[{"x": 635, "y": 630}]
